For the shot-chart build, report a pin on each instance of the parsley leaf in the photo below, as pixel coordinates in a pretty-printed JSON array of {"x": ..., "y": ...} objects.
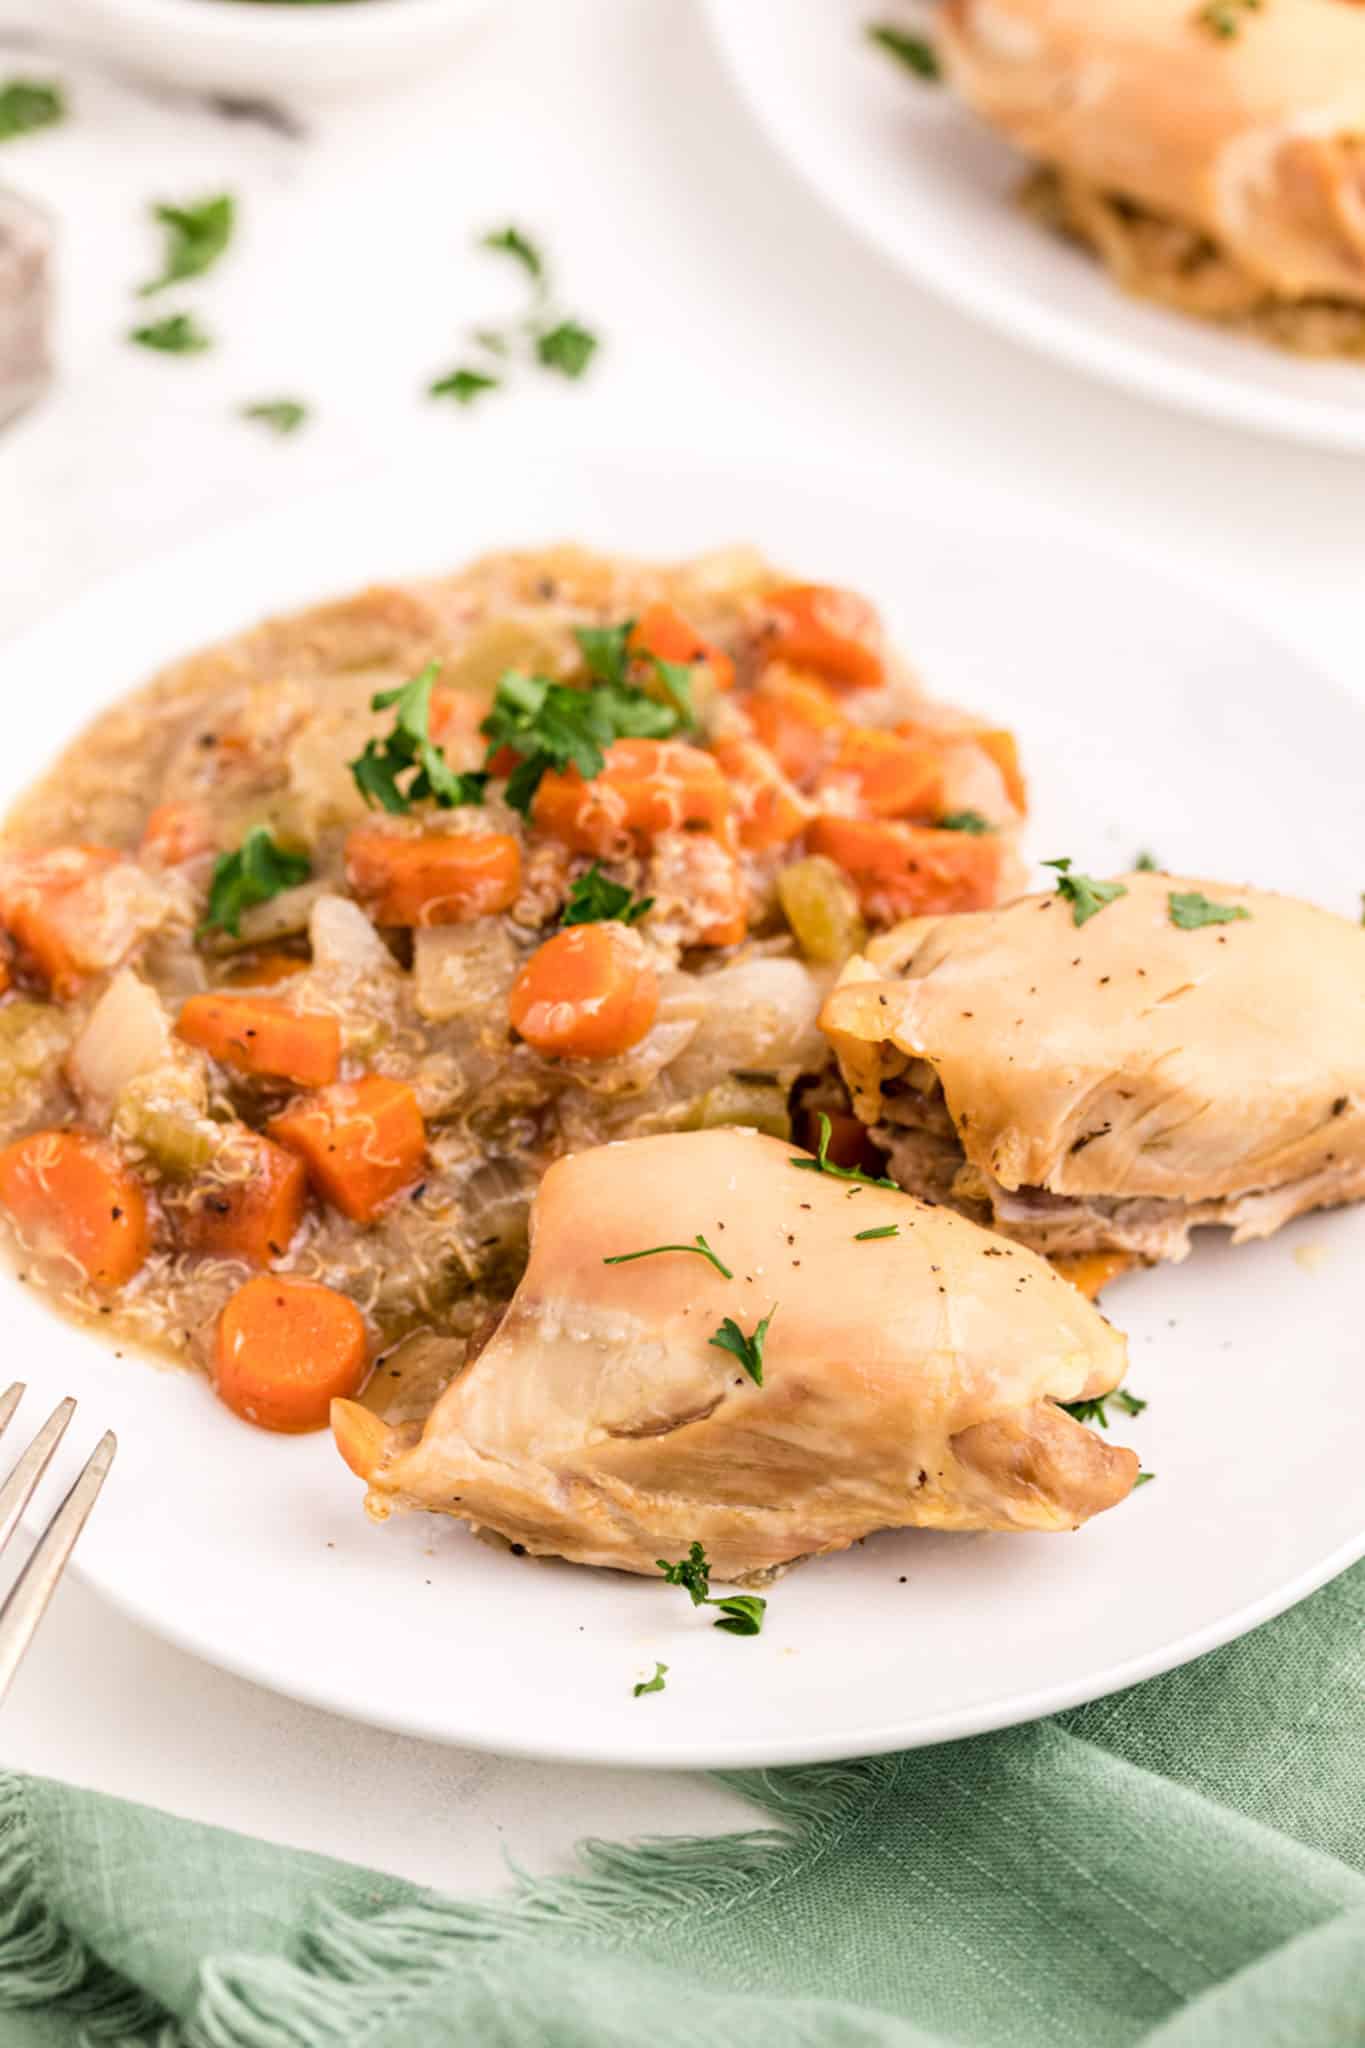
[
  {"x": 26, "y": 104},
  {"x": 654, "y": 1684},
  {"x": 552, "y": 725},
  {"x": 409, "y": 750},
  {"x": 1097, "y": 1411},
  {"x": 748, "y": 1350},
  {"x": 176, "y": 335},
  {"x": 196, "y": 237},
  {"x": 281, "y": 415},
  {"x": 823, "y": 1164},
  {"x": 605, "y": 650},
  {"x": 692, "y": 1572},
  {"x": 741, "y": 1614},
  {"x": 964, "y": 821},
  {"x": 1147, "y": 863},
  {"x": 568, "y": 348},
  {"x": 698, "y": 1245},
  {"x": 1143, "y": 1479},
  {"x": 258, "y": 870},
  {"x": 914, "y": 52},
  {"x": 882, "y": 1230},
  {"x": 511, "y": 242},
  {"x": 463, "y": 385},
  {"x": 1191, "y": 910},
  {"x": 595, "y": 899},
  {"x": 1086, "y": 896},
  {"x": 1223, "y": 18}
]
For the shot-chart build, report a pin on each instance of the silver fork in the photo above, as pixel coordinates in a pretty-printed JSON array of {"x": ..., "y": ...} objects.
[{"x": 23, "y": 1606}]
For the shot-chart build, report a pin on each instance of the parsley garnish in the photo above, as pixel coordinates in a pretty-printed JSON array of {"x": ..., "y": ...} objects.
[
  {"x": 748, "y": 1350},
  {"x": 595, "y": 899},
  {"x": 510, "y": 241},
  {"x": 1095, "y": 1411},
  {"x": 26, "y": 104},
  {"x": 698, "y": 1245},
  {"x": 1147, "y": 863},
  {"x": 741, "y": 1613},
  {"x": 554, "y": 343},
  {"x": 552, "y": 725},
  {"x": 882, "y": 1230},
  {"x": 410, "y": 750},
  {"x": 176, "y": 335},
  {"x": 607, "y": 657},
  {"x": 1086, "y": 896},
  {"x": 196, "y": 237},
  {"x": 1191, "y": 910},
  {"x": 964, "y": 821},
  {"x": 823, "y": 1164},
  {"x": 1224, "y": 18},
  {"x": 568, "y": 348},
  {"x": 281, "y": 415},
  {"x": 258, "y": 870},
  {"x": 463, "y": 385},
  {"x": 914, "y": 52},
  {"x": 1142, "y": 1479},
  {"x": 654, "y": 1684}
]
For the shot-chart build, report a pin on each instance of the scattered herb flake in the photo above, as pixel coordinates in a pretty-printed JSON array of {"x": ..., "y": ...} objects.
[
  {"x": 1147, "y": 863},
  {"x": 748, "y": 1350},
  {"x": 823, "y": 1164},
  {"x": 410, "y": 751},
  {"x": 1097, "y": 1411},
  {"x": 196, "y": 237},
  {"x": 741, "y": 1614},
  {"x": 914, "y": 52},
  {"x": 698, "y": 1245},
  {"x": 1224, "y": 18},
  {"x": 882, "y": 1230},
  {"x": 510, "y": 241},
  {"x": 567, "y": 348},
  {"x": 692, "y": 1572},
  {"x": 176, "y": 335},
  {"x": 654, "y": 1684},
  {"x": 1086, "y": 896},
  {"x": 29, "y": 103},
  {"x": 258, "y": 870},
  {"x": 1143, "y": 1479},
  {"x": 595, "y": 899},
  {"x": 281, "y": 415},
  {"x": 463, "y": 385},
  {"x": 552, "y": 725},
  {"x": 1190, "y": 910},
  {"x": 965, "y": 821}
]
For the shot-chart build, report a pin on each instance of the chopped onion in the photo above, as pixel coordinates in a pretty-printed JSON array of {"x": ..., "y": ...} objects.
[
  {"x": 126, "y": 1034},
  {"x": 759, "y": 1016},
  {"x": 343, "y": 941},
  {"x": 461, "y": 970}
]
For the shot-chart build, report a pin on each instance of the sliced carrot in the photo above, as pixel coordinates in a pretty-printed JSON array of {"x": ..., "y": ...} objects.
[
  {"x": 586, "y": 994},
  {"x": 435, "y": 878},
  {"x": 646, "y": 787},
  {"x": 47, "y": 903},
  {"x": 908, "y": 870},
  {"x": 1003, "y": 749},
  {"x": 663, "y": 632},
  {"x": 833, "y": 631},
  {"x": 6, "y": 968},
  {"x": 798, "y": 721},
  {"x": 70, "y": 1195},
  {"x": 285, "y": 1349},
  {"x": 769, "y": 810},
  {"x": 250, "y": 1215},
  {"x": 1092, "y": 1271},
  {"x": 886, "y": 775},
  {"x": 362, "y": 1142},
  {"x": 263, "y": 970},
  {"x": 176, "y": 832},
  {"x": 263, "y": 1035}
]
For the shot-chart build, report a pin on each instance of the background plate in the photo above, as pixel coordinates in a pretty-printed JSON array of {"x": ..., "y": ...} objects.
[
  {"x": 915, "y": 175},
  {"x": 1148, "y": 717}
]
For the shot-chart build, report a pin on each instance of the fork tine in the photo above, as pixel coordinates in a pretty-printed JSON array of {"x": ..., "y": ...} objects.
[
  {"x": 9, "y": 1401},
  {"x": 24, "y": 1606},
  {"x": 17, "y": 1490}
]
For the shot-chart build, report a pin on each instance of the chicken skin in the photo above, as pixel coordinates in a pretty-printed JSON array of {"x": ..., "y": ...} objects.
[{"x": 909, "y": 1379}]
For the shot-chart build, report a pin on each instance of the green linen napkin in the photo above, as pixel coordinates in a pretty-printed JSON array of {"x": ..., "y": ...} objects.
[{"x": 1182, "y": 1865}]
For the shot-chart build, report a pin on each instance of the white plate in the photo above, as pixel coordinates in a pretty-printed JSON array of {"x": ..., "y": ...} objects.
[
  {"x": 917, "y": 177},
  {"x": 1148, "y": 717}
]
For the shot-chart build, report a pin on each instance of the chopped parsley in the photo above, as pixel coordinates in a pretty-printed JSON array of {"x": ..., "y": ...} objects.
[
  {"x": 196, "y": 237},
  {"x": 1190, "y": 910},
  {"x": 281, "y": 415},
  {"x": 692, "y": 1573},
  {"x": 608, "y": 658},
  {"x": 882, "y": 1230},
  {"x": 698, "y": 1245},
  {"x": 741, "y": 1614},
  {"x": 510, "y": 241},
  {"x": 26, "y": 104},
  {"x": 1143, "y": 1479},
  {"x": 748, "y": 1350},
  {"x": 463, "y": 385},
  {"x": 595, "y": 899},
  {"x": 965, "y": 821},
  {"x": 567, "y": 348},
  {"x": 541, "y": 335},
  {"x": 1086, "y": 896},
  {"x": 654, "y": 1684},
  {"x": 1224, "y": 18},
  {"x": 822, "y": 1163},
  {"x": 176, "y": 335},
  {"x": 914, "y": 52},
  {"x": 258, "y": 870},
  {"x": 1096, "y": 1410},
  {"x": 552, "y": 725},
  {"x": 1147, "y": 863},
  {"x": 410, "y": 751}
]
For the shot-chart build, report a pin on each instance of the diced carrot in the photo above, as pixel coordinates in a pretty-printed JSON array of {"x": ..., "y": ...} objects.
[
  {"x": 833, "y": 631},
  {"x": 1000, "y": 748},
  {"x": 285, "y": 1349},
  {"x": 1092, "y": 1271},
  {"x": 263, "y": 970},
  {"x": 849, "y": 1143},
  {"x": 797, "y": 720},
  {"x": 176, "y": 832},
  {"x": 663, "y": 632},
  {"x": 769, "y": 810},
  {"x": 362, "y": 1142},
  {"x": 909, "y": 870},
  {"x": 251, "y": 1214},
  {"x": 263, "y": 1035},
  {"x": 46, "y": 902},
  {"x": 888, "y": 776},
  {"x": 6, "y": 968},
  {"x": 1003, "y": 749},
  {"x": 436, "y": 878},
  {"x": 730, "y": 900},
  {"x": 70, "y": 1195},
  {"x": 586, "y": 994},
  {"x": 646, "y": 787}
]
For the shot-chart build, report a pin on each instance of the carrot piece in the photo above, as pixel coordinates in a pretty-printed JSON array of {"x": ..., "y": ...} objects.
[
  {"x": 285, "y": 1349},
  {"x": 586, "y": 994},
  {"x": 263, "y": 970},
  {"x": 46, "y": 901},
  {"x": 769, "y": 810},
  {"x": 6, "y": 968},
  {"x": 455, "y": 714},
  {"x": 646, "y": 787},
  {"x": 435, "y": 878},
  {"x": 833, "y": 631},
  {"x": 903, "y": 870},
  {"x": 797, "y": 720},
  {"x": 663, "y": 632},
  {"x": 70, "y": 1195},
  {"x": 263, "y": 1035},
  {"x": 1003, "y": 749},
  {"x": 888, "y": 776},
  {"x": 176, "y": 832},
  {"x": 1092, "y": 1271},
  {"x": 731, "y": 924},
  {"x": 362, "y": 1142},
  {"x": 253, "y": 1214}
]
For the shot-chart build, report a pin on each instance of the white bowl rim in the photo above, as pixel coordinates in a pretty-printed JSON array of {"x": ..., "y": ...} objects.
[{"x": 272, "y": 23}]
